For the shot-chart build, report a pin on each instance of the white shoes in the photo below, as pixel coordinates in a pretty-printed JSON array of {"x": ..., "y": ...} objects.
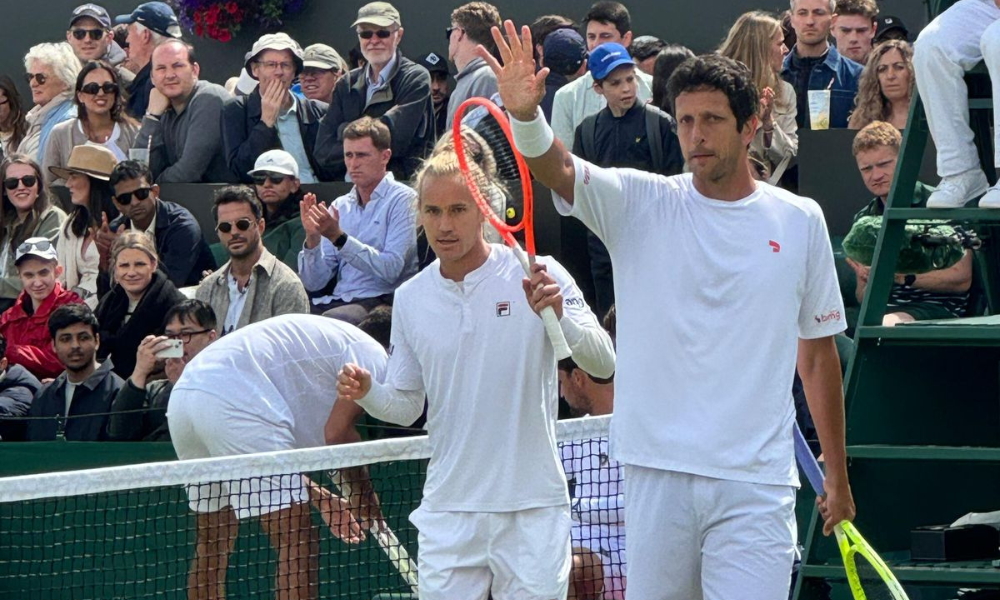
[
  {"x": 992, "y": 198},
  {"x": 955, "y": 191}
]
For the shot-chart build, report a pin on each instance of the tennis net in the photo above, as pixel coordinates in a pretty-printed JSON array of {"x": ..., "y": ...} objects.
[{"x": 157, "y": 531}]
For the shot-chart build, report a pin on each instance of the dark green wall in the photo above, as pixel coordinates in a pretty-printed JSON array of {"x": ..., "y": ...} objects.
[{"x": 699, "y": 25}]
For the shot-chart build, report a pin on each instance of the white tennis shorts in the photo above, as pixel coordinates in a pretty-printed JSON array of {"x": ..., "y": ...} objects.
[
  {"x": 697, "y": 538},
  {"x": 520, "y": 555},
  {"x": 203, "y": 425}
]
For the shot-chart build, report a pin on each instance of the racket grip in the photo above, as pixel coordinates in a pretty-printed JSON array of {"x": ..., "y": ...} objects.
[
  {"x": 555, "y": 333},
  {"x": 810, "y": 466}
]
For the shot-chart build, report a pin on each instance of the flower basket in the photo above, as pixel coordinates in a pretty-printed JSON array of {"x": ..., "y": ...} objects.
[{"x": 222, "y": 19}]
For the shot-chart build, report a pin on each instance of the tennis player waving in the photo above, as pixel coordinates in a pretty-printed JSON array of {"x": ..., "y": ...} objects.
[
  {"x": 721, "y": 284},
  {"x": 495, "y": 510}
]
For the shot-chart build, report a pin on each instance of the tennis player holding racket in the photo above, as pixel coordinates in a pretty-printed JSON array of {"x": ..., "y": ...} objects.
[
  {"x": 721, "y": 284},
  {"x": 465, "y": 332}
]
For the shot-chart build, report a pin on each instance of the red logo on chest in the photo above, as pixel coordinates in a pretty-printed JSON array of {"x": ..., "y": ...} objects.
[{"x": 775, "y": 246}]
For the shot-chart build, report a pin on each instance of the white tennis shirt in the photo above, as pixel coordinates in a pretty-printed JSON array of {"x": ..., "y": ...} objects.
[
  {"x": 712, "y": 297},
  {"x": 282, "y": 371},
  {"x": 489, "y": 372}
]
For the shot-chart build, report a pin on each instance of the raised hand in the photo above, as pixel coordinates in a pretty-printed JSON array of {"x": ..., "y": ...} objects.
[
  {"x": 353, "y": 383},
  {"x": 145, "y": 358},
  {"x": 310, "y": 226},
  {"x": 272, "y": 96},
  {"x": 104, "y": 237},
  {"x": 520, "y": 87},
  {"x": 318, "y": 221},
  {"x": 767, "y": 109},
  {"x": 542, "y": 290}
]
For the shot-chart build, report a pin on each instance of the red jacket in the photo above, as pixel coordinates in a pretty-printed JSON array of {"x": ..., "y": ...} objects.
[{"x": 28, "y": 340}]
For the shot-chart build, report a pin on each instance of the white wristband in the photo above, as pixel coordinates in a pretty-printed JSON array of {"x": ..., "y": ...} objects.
[{"x": 532, "y": 138}]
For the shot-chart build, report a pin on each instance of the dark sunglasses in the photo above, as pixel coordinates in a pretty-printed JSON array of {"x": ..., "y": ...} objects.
[
  {"x": 263, "y": 177},
  {"x": 140, "y": 194},
  {"x": 447, "y": 32},
  {"x": 28, "y": 180},
  {"x": 38, "y": 76},
  {"x": 40, "y": 246},
  {"x": 92, "y": 88},
  {"x": 95, "y": 34},
  {"x": 368, "y": 34},
  {"x": 241, "y": 224}
]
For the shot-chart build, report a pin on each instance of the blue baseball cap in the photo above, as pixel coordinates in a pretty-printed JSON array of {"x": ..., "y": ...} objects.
[
  {"x": 156, "y": 16},
  {"x": 606, "y": 58}
]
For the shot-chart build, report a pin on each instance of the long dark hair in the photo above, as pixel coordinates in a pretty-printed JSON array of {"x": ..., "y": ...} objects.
[
  {"x": 8, "y": 213},
  {"x": 667, "y": 60},
  {"x": 85, "y": 215},
  {"x": 118, "y": 114},
  {"x": 15, "y": 121}
]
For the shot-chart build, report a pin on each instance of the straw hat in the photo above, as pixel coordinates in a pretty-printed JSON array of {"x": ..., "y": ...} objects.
[{"x": 88, "y": 159}]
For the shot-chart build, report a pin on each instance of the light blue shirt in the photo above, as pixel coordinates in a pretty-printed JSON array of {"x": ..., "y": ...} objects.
[
  {"x": 382, "y": 78},
  {"x": 381, "y": 249},
  {"x": 291, "y": 141}
]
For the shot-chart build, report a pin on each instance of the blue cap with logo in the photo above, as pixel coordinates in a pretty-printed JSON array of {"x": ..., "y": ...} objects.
[
  {"x": 606, "y": 58},
  {"x": 156, "y": 16}
]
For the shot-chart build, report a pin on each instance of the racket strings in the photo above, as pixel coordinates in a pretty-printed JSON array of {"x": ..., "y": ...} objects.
[
  {"x": 508, "y": 175},
  {"x": 871, "y": 581}
]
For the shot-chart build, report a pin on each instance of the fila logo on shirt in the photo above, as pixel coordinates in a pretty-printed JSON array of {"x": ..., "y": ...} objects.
[
  {"x": 775, "y": 246},
  {"x": 503, "y": 309}
]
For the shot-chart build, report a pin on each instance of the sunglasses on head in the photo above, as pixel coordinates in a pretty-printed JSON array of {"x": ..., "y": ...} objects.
[
  {"x": 140, "y": 194},
  {"x": 92, "y": 88},
  {"x": 28, "y": 180},
  {"x": 265, "y": 176},
  {"x": 39, "y": 246},
  {"x": 241, "y": 224},
  {"x": 367, "y": 34},
  {"x": 95, "y": 34},
  {"x": 40, "y": 77}
]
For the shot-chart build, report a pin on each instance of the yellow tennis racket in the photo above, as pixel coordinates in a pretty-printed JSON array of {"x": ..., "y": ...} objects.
[{"x": 867, "y": 574}]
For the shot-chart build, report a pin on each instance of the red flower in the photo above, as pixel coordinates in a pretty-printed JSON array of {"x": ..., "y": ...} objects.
[
  {"x": 224, "y": 36},
  {"x": 211, "y": 18},
  {"x": 232, "y": 8},
  {"x": 198, "y": 29},
  {"x": 198, "y": 17}
]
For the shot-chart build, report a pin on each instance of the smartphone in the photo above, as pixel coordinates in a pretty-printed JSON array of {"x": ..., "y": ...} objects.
[{"x": 174, "y": 350}]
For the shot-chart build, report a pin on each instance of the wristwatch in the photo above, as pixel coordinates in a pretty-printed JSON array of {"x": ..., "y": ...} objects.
[
  {"x": 909, "y": 280},
  {"x": 340, "y": 241}
]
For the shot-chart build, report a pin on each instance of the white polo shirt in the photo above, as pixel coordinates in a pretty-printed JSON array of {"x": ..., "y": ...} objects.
[
  {"x": 489, "y": 372},
  {"x": 281, "y": 372},
  {"x": 712, "y": 297}
]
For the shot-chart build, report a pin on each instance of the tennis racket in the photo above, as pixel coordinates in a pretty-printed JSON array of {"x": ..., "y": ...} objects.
[
  {"x": 385, "y": 537},
  {"x": 867, "y": 575},
  {"x": 517, "y": 201}
]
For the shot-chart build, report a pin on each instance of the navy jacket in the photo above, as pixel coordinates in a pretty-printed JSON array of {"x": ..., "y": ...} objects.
[
  {"x": 138, "y": 92},
  {"x": 404, "y": 105},
  {"x": 838, "y": 74},
  {"x": 245, "y": 136},
  {"x": 92, "y": 397},
  {"x": 184, "y": 253},
  {"x": 17, "y": 387}
]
